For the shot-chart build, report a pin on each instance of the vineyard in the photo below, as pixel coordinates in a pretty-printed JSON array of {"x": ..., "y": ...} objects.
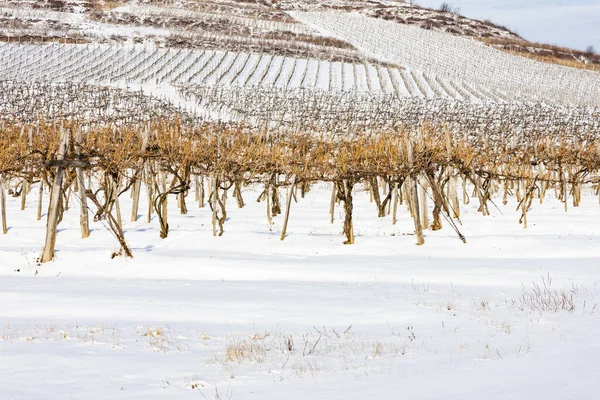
[
  {"x": 461, "y": 59},
  {"x": 242, "y": 23},
  {"x": 149, "y": 66},
  {"x": 98, "y": 121},
  {"x": 181, "y": 67},
  {"x": 107, "y": 156},
  {"x": 292, "y": 199},
  {"x": 152, "y": 65}
]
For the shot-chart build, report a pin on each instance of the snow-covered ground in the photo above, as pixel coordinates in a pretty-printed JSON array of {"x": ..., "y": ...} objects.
[{"x": 246, "y": 316}]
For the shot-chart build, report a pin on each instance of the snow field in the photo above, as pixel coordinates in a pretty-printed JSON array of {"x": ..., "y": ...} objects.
[{"x": 249, "y": 316}]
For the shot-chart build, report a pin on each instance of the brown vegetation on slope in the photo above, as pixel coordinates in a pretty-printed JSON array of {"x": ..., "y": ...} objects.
[{"x": 547, "y": 53}]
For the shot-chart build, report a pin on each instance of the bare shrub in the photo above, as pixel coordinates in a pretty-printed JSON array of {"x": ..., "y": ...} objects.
[{"x": 449, "y": 8}]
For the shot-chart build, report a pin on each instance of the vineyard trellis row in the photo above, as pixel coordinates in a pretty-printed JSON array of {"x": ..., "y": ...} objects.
[
  {"x": 98, "y": 161},
  {"x": 459, "y": 59},
  {"x": 342, "y": 112},
  {"x": 299, "y": 109},
  {"x": 154, "y": 65},
  {"x": 150, "y": 65}
]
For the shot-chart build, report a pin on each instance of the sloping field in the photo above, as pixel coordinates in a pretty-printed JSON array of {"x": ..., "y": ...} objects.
[
  {"x": 151, "y": 65},
  {"x": 462, "y": 59},
  {"x": 252, "y": 87}
]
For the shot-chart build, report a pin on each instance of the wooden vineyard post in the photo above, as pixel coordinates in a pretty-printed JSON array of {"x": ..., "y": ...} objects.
[
  {"x": 423, "y": 205},
  {"x": 332, "y": 203},
  {"x": 395, "y": 204},
  {"x": 415, "y": 202},
  {"x": 565, "y": 190},
  {"x": 524, "y": 210},
  {"x": 213, "y": 202},
  {"x": 149, "y": 191},
  {"x": 414, "y": 198},
  {"x": 453, "y": 196},
  {"x": 116, "y": 188},
  {"x": 183, "y": 210},
  {"x": 40, "y": 200},
  {"x": 389, "y": 203},
  {"x": 84, "y": 221},
  {"x": 55, "y": 199},
  {"x": 466, "y": 199},
  {"x": 135, "y": 193},
  {"x": 201, "y": 194},
  {"x": 287, "y": 206},
  {"x": 25, "y": 185},
  {"x": 268, "y": 197},
  {"x": 24, "y": 190},
  {"x": 137, "y": 186},
  {"x": 3, "y": 207},
  {"x": 406, "y": 194},
  {"x": 451, "y": 184}
]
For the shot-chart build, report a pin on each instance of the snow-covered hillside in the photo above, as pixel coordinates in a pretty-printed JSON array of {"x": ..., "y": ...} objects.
[
  {"x": 139, "y": 64},
  {"x": 178, "y": 66},
  {"x": 357, "y": 48},
  {"x": 460, "y": 59}
]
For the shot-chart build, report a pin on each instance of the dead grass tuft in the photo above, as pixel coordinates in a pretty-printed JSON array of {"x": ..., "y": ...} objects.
[
  {"x": 246, "y": 351},
  {"x": 542, "y": 298}
]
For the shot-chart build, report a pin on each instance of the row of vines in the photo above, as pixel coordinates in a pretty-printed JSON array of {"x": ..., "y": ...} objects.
[
  {"x": 150, "y": 65},
  {"x": 460, "y": 59},
  {"x": 173, "y": 159}
]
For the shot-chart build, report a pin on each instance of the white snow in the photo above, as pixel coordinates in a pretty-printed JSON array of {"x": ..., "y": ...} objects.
[{"x": 380, "y": 319}]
